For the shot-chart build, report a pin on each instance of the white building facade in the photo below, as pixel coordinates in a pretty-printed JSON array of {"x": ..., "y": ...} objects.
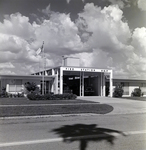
[
  {"x": 80, "y": 80},
  {"x": 71, "y": 78}
]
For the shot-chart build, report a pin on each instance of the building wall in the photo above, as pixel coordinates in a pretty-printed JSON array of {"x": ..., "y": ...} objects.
[
  {"x": 54, "y": 85},
  {"x": 71, "y": 61},
  {"x": 17, "y": 85},
  {"x": 130, "y": 85},
  {"x": 143, "y": 88}
]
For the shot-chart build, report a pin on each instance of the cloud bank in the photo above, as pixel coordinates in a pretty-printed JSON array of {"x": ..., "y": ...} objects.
[{"x": 99, "y": 37}]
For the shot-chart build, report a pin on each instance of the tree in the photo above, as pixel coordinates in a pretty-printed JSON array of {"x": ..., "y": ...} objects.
[
  {"x": 118, "y": 91},
  {"x": 137, "y": 92},
  {"x": 30, "y": 87}
]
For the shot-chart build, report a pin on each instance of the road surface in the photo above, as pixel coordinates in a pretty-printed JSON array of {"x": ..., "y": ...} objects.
[{"x": 87, "y": 132}]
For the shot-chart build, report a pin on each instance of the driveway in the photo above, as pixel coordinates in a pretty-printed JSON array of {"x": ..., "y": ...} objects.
[{"x": 121, "y": 106}]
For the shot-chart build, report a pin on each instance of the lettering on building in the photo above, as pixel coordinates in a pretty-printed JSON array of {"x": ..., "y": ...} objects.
[
  {"x": 87, "y": 69},
  {"x": 104, "y": 70},
  {"x": 69, "y": 69}
]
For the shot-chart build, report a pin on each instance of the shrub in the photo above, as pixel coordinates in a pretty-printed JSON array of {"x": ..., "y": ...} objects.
[
  {"x": 20, "y": 94},
  {"x": 74, "y": 96},
  {"x": 66, "y": 96},
  {"x": 137, "y": 92},
  {"x": 3, "y": 93},
  {"x": 34, "y": 96},
  {"x": 69, "y": 96},
  {"x": 118, "y": 91},
  {"x": 58, "y": 96},
  {"x": 49, "y": 96}
]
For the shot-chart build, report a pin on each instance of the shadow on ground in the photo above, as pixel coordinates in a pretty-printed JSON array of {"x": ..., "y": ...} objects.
[{"x": 86, "y": 133}]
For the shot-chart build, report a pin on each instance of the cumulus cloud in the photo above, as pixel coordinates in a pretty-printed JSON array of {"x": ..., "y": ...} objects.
[
  {"x": 142, "y": 4},
  {"x": 18, "y": 25},
  {"x": 139, "y": 41},
  {"x": 61, "y": 34},
  {"x": 137, "y": 60},
  {"x": 109, "y": 35},
  {"x": 19, "y": 45},
  {"x": 4, "y": 71},
  {"x": 47, "y": 11},
  {"x": 120, "y": 3},
  {"x": 109, "y": 39},
  {"x": 99, "y": 37},
  {"x": 68, "y": 1},
  {"x": 6, "y": 65}
]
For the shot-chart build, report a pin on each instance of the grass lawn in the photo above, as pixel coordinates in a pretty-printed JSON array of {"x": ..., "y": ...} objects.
[
  {"x": 136, "y": 98},
  {"x": 24, "y": 101},
  {"x": 24, "y": 107}
]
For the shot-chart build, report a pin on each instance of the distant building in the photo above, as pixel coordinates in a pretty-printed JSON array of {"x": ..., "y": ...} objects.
[{"x": 71, "y": 78}]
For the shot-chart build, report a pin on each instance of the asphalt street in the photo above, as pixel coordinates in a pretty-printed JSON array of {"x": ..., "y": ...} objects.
[
  {"x": 124, "y": 128},
  {"x": 100, "y": 132}
]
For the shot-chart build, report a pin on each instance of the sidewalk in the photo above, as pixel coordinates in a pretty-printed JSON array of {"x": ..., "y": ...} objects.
[{"x": 121, "y": 106}]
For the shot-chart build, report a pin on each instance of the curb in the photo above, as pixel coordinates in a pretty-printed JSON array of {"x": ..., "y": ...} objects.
[
  {"x": 33, "y": 105},
  {"x": 68, "y": 115},
  {"x": 49, "y": 116}
]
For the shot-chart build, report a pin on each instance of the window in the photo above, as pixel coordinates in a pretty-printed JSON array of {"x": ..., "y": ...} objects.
[
  {"x": 125, "y": 88},
  {"x": 15, "y": 88}
]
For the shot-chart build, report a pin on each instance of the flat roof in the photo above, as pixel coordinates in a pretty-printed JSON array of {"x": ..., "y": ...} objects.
[
  {"x": 26, "y": 76},
  {"x": 76, "y": 68},
  {"x": 53, "y": 76},
  {"x": 127, "y": 79}
]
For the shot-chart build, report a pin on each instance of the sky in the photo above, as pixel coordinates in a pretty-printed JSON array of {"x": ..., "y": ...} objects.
[{"x": 104, "y": 34}]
